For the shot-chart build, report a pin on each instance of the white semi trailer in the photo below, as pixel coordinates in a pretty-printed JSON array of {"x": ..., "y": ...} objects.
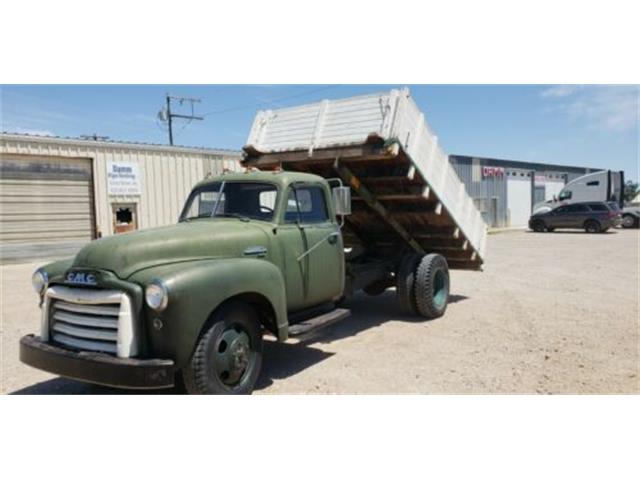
[{"x": 603, "y": 186}]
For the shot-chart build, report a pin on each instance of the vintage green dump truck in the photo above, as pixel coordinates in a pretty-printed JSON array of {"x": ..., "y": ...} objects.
[{"x": 274, "y": 249}]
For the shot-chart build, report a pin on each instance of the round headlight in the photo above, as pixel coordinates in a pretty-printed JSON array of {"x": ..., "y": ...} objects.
[
  {"x": 39, "y": 281},
  {"x": 157, "y": 296}
]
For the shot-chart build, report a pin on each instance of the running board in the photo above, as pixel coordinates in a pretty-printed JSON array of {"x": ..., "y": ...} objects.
[{"x": 320, "y": 321}]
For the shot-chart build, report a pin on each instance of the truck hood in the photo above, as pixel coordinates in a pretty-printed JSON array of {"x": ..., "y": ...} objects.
[{"x": 128, "y": 253}]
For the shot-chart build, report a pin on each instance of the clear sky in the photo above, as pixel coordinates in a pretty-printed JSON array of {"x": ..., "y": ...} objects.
[{"x": 593, "y": 126}]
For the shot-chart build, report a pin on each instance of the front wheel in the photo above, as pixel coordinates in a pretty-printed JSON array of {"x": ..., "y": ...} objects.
[
  {"x": 432, "y": 286},
  {"x": 538, "y": 226},
  {"x": 592, "y": 226},
  {"x": 228, "y": 356}
]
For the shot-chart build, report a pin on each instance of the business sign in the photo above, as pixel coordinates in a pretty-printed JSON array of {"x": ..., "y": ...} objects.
[
  {"x": 123, "y": 178},
  {"x": 492, "y": 172}
]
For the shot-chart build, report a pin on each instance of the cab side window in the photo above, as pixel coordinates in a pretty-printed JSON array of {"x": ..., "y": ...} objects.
[
  {"x": 306, "y": 205},
  {"x": 566, "y": 195}
]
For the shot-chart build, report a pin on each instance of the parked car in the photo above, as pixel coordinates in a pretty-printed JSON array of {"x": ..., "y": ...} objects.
[
  {"x": 631, "y": 214},
  {"x": 593, "y": 217}
]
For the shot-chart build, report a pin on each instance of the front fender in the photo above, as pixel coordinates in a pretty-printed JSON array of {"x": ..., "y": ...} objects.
[{"x": 196, "y": 289}]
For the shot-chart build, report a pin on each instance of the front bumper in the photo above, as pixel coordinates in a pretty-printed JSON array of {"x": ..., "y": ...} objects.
[{"x": 97, "y": 368}]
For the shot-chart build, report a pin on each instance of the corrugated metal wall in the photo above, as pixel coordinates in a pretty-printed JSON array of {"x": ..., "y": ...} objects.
[
  {"x": 167, "y": 173},
  {"x": 489, "y": 194}
]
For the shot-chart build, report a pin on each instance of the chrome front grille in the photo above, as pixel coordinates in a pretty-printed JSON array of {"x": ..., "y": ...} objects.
[{"x": 87, "y": 319}]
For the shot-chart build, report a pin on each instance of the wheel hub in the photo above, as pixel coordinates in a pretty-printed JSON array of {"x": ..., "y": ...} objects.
[
  {"x": 232, "y": 355},
  {"x": 440, "y": 289},
  {"x": 240, "y": 355}
]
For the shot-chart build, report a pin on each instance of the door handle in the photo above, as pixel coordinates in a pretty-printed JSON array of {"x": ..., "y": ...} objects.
[{"x": 333, "y": 238}]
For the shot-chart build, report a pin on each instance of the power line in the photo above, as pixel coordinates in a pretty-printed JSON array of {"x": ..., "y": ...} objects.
[{"x": 282, "y": 99}]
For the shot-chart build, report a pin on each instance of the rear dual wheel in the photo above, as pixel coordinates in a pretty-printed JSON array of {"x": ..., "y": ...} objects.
[{"x": 422, "y": 285}]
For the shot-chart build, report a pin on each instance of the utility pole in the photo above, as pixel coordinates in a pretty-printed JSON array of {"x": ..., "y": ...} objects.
[{"x": 170, "y": 116}]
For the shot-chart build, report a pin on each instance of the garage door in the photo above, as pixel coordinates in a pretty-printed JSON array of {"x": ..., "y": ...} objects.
[
  {"x": 519, "y": 200},
  {"x": 46, "y": 207}
]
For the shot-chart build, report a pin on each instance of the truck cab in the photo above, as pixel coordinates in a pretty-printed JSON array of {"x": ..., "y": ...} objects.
[
  {"x": 602, "y": 186},
  {"x": 250, "y": 251}
]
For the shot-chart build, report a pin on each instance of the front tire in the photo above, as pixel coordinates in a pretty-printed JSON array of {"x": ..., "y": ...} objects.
[
  {"x": 538, "y": 226},
  {"x": 228, "y": 356},
  {"x": 592, "y": 226},
  {"x": 432, "y": 286}
]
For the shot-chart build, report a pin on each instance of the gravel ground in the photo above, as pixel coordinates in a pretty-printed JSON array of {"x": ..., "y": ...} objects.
[{"x": 551, "y": 313}]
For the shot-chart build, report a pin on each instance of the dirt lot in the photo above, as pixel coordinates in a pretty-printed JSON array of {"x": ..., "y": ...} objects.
[{"x": 551, "y": 313}]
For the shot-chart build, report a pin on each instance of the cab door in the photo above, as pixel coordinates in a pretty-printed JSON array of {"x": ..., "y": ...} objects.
[{"x": 312, "y": 249}]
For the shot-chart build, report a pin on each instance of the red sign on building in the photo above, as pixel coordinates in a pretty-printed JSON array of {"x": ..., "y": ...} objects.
[{"x": 492, "y": 172}]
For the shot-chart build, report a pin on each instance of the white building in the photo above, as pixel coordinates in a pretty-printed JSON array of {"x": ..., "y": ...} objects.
[{"x": 56, "y": 194}]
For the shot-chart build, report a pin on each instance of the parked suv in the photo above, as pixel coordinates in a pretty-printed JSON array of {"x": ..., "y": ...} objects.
[{"x": 594, "y": 217}]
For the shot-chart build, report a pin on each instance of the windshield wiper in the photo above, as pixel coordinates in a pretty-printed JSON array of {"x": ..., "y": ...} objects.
[
  {"x": 233, "y": 215},
  {"x": 202, "y": 215}
]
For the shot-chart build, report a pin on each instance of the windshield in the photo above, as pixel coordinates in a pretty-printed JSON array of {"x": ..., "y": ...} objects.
[{"x": 245, "y": 200}]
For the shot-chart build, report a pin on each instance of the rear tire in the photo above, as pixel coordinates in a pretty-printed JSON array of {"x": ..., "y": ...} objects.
[
  {"x": 538, "y": 226},
  {"x": 432, "y": 286},
  {"x": 592, "y": 226},
  {"x": 405, "y": 283},
  {"x": 228, "y": 356}
]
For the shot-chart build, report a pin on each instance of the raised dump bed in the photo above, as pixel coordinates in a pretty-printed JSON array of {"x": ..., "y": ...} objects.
[{"x": 406, "y": 195}]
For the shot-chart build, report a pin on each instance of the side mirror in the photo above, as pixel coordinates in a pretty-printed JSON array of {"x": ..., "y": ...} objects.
[{"x": 342, "y": 200}]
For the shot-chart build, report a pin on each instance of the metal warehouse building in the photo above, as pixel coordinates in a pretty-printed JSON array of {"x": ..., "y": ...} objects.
[
  {"x": 58, "y": 193},
  {"x": 505, "y": 191}
]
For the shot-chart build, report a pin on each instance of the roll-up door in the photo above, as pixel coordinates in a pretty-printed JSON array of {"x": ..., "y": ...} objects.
[{"x": 46, "y": 206}]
